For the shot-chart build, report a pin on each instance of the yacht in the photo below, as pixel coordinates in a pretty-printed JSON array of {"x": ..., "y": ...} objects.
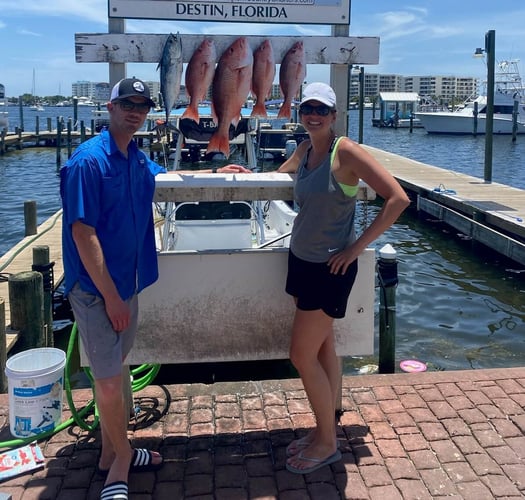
[
  {"x": 471, "y": 118},
  {"x": 85, "y": 101}
]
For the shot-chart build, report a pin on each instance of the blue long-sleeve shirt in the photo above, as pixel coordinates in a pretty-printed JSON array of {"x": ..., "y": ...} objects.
[{"x": 113, "y": 194}]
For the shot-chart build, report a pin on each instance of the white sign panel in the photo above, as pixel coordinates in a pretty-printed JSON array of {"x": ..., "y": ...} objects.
[{"x": 245, "y": 11}]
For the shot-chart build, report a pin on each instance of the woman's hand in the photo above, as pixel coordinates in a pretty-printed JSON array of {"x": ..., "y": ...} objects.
[
  {"x": 340, "y": 261},
  {"x": 233, "y": 169}
]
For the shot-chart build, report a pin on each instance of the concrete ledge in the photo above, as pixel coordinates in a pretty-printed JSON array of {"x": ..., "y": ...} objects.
[{"x": 232, "y": 187}]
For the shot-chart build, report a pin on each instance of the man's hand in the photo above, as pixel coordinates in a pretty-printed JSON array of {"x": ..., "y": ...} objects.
[{"x": 233, "y": 169}]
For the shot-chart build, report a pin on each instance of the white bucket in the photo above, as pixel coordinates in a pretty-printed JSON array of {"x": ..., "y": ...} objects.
[{"x": 35, "y": 381}]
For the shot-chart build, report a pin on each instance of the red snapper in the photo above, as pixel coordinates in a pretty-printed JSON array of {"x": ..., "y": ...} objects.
[
  {"x": 263, "y": 75},
  {"x": 231, "y": 87},
  {"x": 291, "y": 76},
  {"x": 199, "y": 75}
]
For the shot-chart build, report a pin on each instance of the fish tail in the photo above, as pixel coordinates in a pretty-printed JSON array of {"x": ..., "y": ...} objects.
[
  {"x": 219, "y": 142},
  {"x": 259, "y": 109},
  {"x": 285, "y": 111},
  {"x": 192, "y": 113}
]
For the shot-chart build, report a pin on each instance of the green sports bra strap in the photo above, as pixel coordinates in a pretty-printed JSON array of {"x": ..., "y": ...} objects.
[
  {"x": 333, "y": 149},
  {"x": 347, "y": 190}
]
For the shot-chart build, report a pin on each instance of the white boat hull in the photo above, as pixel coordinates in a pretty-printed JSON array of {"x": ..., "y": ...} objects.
[
  {"x": 219, "y": 305},
  {"x": 463, "y": 124}
]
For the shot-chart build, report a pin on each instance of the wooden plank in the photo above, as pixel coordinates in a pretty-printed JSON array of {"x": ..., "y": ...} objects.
[
  {"x": 509, "y": 247},
  {"x": 144, "y": 47},
  {"x": 11, "y": 338},
  {"x": 20, "y": 257},
  {"x": 499, "y": 205}
]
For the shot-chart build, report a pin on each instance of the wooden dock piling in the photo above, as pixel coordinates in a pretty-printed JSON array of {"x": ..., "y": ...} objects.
[
  {"x": 59, "y": 142},
  {"x": 42, "y": 265},
  {"x": 3, "y": 347},
  {"x": 26, "y": 301},
  {"x": 388, "y": 280},
  {"x": 30, "y": 218}
]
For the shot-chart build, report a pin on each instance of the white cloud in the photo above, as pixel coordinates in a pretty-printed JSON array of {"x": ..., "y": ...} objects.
[
  {"x": 91, "y": 10},
  {"x": 24, "y": 32}
]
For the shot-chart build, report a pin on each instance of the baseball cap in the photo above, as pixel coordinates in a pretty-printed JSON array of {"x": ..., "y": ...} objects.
[
  {"x": 129, "y": 87},
  {"x": 321, "y": 92}
]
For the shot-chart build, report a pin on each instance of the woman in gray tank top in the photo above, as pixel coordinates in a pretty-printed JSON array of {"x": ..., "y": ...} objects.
[{"x": 322, "y": 262}]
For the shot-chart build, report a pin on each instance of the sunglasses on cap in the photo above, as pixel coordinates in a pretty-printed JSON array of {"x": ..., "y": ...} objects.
[
  {"x": 126, "y": 105},
  {"x": 321, "y": 110}
]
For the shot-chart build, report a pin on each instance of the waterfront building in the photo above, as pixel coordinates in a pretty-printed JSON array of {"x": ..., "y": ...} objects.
[
  {"x": 439, "y": 86},
  {"x": 99, "y": 92}
]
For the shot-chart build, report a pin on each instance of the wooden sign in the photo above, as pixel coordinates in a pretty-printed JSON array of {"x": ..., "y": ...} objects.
[
  {"x": 245, "y": 11},
  {"x": 142, "y": 47}
]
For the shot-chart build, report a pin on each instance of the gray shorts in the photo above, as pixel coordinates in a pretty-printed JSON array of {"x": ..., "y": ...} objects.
[{"x": 105, "y": 349}]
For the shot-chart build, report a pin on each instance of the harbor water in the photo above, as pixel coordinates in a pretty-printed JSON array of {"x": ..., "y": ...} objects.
[{"x": 457, "y": 307}]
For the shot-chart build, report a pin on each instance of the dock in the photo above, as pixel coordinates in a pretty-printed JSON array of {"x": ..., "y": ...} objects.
[
  {"x": 488, "y": 212},
  {"x": 64, "y": 138},
  {"x": 20, "y": 259}
]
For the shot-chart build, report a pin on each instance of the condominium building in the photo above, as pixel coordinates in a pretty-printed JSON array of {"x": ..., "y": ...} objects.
[
  {"x": 99, "y": 92},
  {"x": 442, "y": 87}
]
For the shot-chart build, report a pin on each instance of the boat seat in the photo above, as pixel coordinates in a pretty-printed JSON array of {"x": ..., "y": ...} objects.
[
  {"x": 190, "y": 211},
  {"x": 213, "y": 210}
]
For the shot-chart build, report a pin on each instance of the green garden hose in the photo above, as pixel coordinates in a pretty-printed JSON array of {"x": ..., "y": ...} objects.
[{"x": 138, "y": 383}]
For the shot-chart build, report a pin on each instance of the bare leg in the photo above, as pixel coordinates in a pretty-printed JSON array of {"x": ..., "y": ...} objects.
[
  {"x": 330, "y": 363},
  {"x": 312, "y": 353},
  {"x": 113, "y": 419},
  {"x": 108, "y": 453}
]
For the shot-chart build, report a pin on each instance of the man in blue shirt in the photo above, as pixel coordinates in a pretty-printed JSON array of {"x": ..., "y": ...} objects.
[{"x": 109, "y": 255}]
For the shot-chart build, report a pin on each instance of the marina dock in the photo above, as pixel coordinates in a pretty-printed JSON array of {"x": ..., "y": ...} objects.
[
  {"x": 20, "y": 259},
  {"x": 64, "y": 138},
  {"x": 490, "y": 213}
]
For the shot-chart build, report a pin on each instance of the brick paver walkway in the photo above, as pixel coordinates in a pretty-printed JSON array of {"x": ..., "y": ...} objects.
[{"x": 434, "y": 435}]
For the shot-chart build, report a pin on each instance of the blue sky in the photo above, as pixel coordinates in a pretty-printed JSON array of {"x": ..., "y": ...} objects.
[{"x": 417, "y": 38}]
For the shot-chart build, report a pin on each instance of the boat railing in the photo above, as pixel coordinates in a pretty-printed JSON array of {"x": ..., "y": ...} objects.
[{"x": 228, "y": 225}]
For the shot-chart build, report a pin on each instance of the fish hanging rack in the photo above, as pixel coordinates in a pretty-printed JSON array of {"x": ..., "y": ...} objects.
[{"x": 144, "y": 47}]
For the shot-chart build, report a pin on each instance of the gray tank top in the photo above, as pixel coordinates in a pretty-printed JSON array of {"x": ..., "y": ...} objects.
[{"x": 325, "y": 222}]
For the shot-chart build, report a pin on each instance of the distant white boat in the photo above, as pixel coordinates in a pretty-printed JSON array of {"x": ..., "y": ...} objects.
[
  {"x": 85, "y": 101},
  {"x": 35, "y": 106},
  {"x": 508, "y": 90}
]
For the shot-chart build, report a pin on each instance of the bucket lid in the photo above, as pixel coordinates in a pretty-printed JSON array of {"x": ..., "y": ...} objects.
[{"x": 35, "y": 362}]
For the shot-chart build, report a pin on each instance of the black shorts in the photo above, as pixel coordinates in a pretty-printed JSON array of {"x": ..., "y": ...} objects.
[{"x": 316, "y": 288}]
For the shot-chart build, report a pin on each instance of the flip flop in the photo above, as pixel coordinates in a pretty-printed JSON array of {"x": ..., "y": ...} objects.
[
  {"x": 297, "y": 445},
  {"x": 115, "y": 491},
  {"x": 141, "y": 461},
  {"x": 318, "y": 463}
]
